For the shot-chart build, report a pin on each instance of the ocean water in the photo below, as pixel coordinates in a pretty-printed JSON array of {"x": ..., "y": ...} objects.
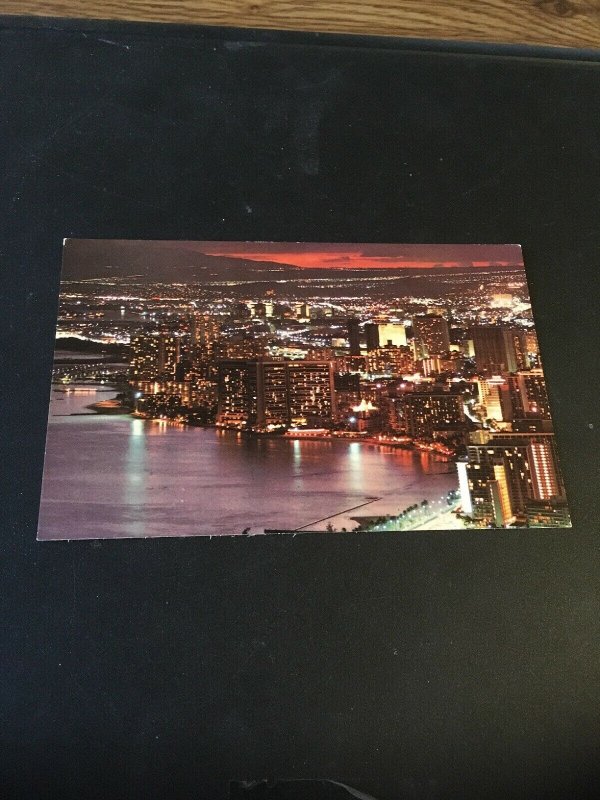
[{"x": 109, "y": 476}]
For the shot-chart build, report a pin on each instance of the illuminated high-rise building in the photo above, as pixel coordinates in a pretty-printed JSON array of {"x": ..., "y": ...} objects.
[
  {"x": 272, "y": 395},
  {"x": 204, "y": 393},
  {"x": 490, "y": 391},
  {"x": 390, "y": 360},
  {"x": 511, "y": 476},
  {"x": 237, "y": 394},
  {"x": 144, "y": 358},
  {"x": 168, "y": 388},
  {"x": 154, "y": 357},
  {"x": 168, "y": 354},
  {"x": 500, "y": 494},
  {"x": 205, "y": 331},
  {"x": 527, "y": 395},
  {"x": 426, "y": 412},
  {"x": 531, "y": 342},
  {"x": 265, "y": 395},
  {"x": 435, "y": 365},
  {"x": 311, "y": 392},
  {"x": 431, "y": 335}
]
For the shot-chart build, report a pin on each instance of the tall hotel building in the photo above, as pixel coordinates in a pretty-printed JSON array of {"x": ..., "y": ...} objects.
[
  {"x": 204, "y": 331},
  {"x": 237, "y": 395},
  {"x": 203, "y": 345},
  {"x": 492, "y": 392},
  {"x": 154, "y": 357},
  {"x": 311, "y": 391},
  {"x": 527, "y": 395},
  {"x": 390, "y": 361},
  {"x": 514, "y": 477},
  {"x": 267, "y": 395},
  {"x": 427, "y": 412},
  {"x": 430, "y": 335}
]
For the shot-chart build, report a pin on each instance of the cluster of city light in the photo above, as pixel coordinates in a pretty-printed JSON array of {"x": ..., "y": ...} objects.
[{"x": 308, "y": 318}]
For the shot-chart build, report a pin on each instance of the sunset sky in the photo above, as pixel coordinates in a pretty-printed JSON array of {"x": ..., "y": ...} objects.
[
  {"x": 88, "y": 257},
  {"x": 357, "y": 256}
]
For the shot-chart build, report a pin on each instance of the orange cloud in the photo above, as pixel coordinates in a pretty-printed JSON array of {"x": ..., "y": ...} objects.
[{"x": 346, "y": 259}]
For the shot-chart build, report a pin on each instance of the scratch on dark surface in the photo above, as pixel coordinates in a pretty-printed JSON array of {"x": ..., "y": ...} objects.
[
  {"x": 294, "y": 788},
  {"x": 115, "y": 44},
  {"x": 107, "y": 41},
  {"x": 233, "y": 46}
]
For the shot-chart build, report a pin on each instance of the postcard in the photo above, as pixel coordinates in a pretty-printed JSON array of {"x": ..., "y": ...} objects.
[{"x": 241, "y": 388}]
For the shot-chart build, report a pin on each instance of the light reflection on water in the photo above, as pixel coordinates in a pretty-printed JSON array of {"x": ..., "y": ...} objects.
[
  {"x": 112, "y": 475},
  {"x": 134, "y": 487}
]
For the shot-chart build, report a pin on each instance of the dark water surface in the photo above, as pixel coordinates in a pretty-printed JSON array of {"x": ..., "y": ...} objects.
[{"x": 111, "y": 476}]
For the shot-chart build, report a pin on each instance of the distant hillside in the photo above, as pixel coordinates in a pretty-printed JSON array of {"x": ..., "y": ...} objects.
[{"x": 166, "y": 262}]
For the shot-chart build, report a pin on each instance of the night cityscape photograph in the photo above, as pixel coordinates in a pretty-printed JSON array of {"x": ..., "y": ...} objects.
[{"x": 235, "y": 388}]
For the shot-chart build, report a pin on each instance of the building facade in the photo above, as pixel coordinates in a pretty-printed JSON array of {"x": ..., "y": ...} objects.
[
  {"x": 431, "y": 335},
  {"x": 513, "y": 477},
  {"x": 154, "y": 356},
  {"x": 499, "y": 350},
  {"x": 267, "y": 395},
  {"x": 425, "y": 413}
]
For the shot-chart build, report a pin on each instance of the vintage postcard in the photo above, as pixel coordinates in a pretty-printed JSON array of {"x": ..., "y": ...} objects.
[{"x": 222, "y": 388}]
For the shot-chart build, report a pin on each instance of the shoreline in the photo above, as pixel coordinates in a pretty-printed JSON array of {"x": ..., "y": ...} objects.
[
  {"x": 112, "y": 407},
  {"x": 106, "y": 408},
  {"x": 393, "y": 489}
]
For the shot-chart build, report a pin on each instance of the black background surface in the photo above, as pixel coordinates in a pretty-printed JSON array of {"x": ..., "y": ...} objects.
[{"x": 420, "y": 665}]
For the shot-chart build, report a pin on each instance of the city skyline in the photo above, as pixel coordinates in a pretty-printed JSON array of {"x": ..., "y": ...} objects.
[{"x": 329, "y": 387}]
